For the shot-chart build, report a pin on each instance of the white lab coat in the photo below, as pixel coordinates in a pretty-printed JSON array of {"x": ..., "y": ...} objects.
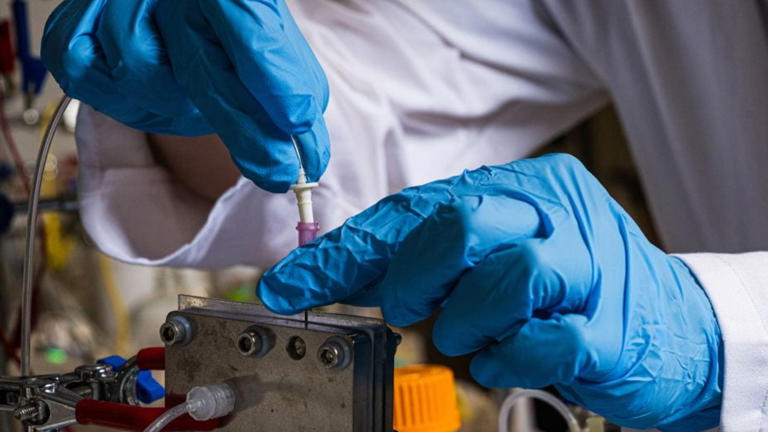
[{"x": 421, "y": 89}]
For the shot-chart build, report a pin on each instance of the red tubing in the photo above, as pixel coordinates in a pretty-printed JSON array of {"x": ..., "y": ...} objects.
[{"x": 151, "y": 358}]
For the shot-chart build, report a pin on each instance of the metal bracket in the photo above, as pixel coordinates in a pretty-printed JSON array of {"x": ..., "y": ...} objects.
[{"x": 331, "y": 373}]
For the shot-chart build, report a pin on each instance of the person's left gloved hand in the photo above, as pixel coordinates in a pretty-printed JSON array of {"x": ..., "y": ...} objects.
[
  {"x": 238, "y": 68},
  {"x": 537, "y": 270}
]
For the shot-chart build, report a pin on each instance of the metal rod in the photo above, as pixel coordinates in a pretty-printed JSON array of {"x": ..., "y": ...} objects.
[{"x": 29, "y": 255}]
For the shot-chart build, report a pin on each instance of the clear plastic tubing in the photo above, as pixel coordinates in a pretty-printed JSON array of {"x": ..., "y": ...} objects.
[
  {"x": 167, "y": 417},
  {"x": 203, "y": 403},
  {"x": 29, "y": 251},
  {"x": 557, "y": 404}
]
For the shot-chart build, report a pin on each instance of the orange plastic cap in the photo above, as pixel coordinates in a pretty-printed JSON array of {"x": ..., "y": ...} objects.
[{"x": 425, "y": 399}]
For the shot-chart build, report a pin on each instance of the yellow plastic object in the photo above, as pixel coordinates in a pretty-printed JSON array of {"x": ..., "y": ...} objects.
[{"x": 425, "y": 399}]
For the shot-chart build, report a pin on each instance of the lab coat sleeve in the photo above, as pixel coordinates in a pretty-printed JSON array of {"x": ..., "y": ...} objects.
[
  {"x": 419, "y": 91},
  {"x": 737, "y": 285}
]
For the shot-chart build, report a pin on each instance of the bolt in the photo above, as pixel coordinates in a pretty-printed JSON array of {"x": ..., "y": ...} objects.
[
  {"x": 296, "y": 348},
  {"x": 329, "y": 356},
  {"x": 32, "y": 413},
  {"x": 176, "y": 331},
  {"x": 25, "y": 413},
  {"x": 335, "y": 353},
  {"x": 255, "y": 342}
]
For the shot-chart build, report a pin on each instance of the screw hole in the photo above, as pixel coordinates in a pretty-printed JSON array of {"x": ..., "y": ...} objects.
[
  {"x": 296, "y": 348},
  {"x": 169, "y": 334},
  {"x": 244, "y": 344}
]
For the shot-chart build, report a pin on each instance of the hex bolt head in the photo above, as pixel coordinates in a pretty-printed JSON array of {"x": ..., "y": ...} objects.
[
  {"x": 255, "y": 341},
  {"x": 335, "y": 353},
  {"x": 176, "y": 331}
]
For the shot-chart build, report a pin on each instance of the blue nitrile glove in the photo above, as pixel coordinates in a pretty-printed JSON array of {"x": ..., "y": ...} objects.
[
  {"x": 239, "y": 68},
  {"x": 537, "y": 269}
]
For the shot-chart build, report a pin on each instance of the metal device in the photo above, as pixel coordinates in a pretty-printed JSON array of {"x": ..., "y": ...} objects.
[
  {"x": 330, "y": 373},
  {"x": 51, "y": 402}
]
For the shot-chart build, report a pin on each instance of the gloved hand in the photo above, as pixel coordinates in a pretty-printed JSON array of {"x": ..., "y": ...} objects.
[
  {"x": 536, "y": 269},
  {"x": 239, "y": 68}
]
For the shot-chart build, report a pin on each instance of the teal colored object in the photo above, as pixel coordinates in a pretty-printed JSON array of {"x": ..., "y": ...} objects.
[
  {"x": 541, "y": 275},
  {"x": 238, "y": 68}
]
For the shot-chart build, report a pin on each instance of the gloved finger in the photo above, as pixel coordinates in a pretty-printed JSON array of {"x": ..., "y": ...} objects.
[
  {"x": 261, "y": 151},
  {"x": 509, "y": 287},
  {"x": 454, "y": 238},
  {"x": 136, "y": 58},
  {"x": 544, "y": 352},
  {"x": 74, "y": 56},
  {"x": 314, "y": 149},
  {"x": 348, "y": 262},
  {"x": 272, "y": 59},
  {"x": 71, "y": 52}
]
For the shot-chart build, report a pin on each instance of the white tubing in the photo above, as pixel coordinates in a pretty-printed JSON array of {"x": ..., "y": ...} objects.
[{"x": 512, "y": 399}]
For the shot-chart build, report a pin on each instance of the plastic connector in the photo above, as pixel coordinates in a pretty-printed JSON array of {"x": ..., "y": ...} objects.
[
  {"x": 303, "y": 191},
  {"x": 307, "y": 232},
  {"x": 211, "y": 401},
  {"x": 203, "y": 403}
]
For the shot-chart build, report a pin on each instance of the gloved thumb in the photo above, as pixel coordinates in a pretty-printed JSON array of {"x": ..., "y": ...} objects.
[{"x": 544, "y": 352}]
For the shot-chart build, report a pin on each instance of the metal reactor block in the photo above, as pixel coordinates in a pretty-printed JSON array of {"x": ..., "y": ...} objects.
[{"x": 319, "y": 373}]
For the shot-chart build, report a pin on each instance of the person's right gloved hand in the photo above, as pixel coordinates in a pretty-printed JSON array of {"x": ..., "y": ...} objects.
[
  {"x": 542, "y": 275},
  {"x": 238, "y": 68}
]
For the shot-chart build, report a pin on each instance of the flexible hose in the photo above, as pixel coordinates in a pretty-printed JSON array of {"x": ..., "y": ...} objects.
[
  {"x": 29, "y": 256},
  {"x": 512, "y": 399},
  {"x": 167, "y": 417},
  {"x": 203, "y": 403}
]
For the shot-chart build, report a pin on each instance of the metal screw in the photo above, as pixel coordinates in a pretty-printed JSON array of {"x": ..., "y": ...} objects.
[
  {"x": 25, "y": 413},
  {"x": 335, "y": 353},
  {"x": 176, "y": 331},
  {"x": 255, "y": 341},
  {"x": 32, "y": 413},
  {"x": 296, "y": 348}
]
